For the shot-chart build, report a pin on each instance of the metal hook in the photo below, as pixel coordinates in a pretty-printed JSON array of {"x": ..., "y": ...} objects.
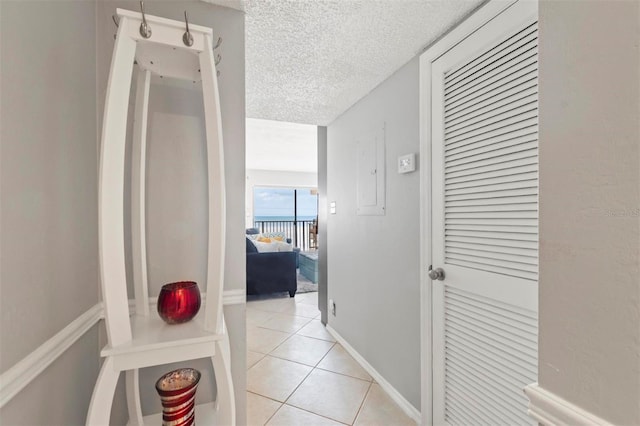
[
  {"x": 218, "y": 59},
  {"x": 218, "y": 43},
  {"x": 187, "y": 38},
  {"x": 218, "y": 73},
  {"x": 145, "y": 30},
  {"x": 115, "y": 21}
]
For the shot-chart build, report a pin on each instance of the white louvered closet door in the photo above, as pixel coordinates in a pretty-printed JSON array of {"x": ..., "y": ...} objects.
[{"x": 485, "y": 222}]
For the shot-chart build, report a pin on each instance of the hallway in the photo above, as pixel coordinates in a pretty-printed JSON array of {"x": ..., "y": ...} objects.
[{"x": 299, "y": 375}]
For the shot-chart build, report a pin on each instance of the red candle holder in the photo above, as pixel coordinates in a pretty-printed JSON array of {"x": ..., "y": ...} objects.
[
  {"x": 177, "y": 390},
  {"x": 179, "y": 302}
]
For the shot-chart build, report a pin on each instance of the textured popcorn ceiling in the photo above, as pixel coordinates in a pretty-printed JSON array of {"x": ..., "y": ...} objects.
[{"x": 308, "y": 61}]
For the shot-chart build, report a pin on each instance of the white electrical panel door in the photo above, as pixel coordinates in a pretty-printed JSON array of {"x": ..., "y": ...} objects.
[
  {"x": 485, "y": 222},
  {"x": 371, "y": 174}
]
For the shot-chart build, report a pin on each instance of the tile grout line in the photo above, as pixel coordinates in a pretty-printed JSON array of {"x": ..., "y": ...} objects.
[
  {"x": 312, "y": 370},
  {"x": 344, "y": 374},
  {"x": 300, "y": 384},
  {"x": 270, "y": 399},
  {"x": 362, "y": 403},
  {"x": 291, "y": 334},
  {"x": 315, "y": 414}
]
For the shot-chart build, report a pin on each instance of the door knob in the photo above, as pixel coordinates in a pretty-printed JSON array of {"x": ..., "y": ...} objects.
[{"x": 436, "y": 274}]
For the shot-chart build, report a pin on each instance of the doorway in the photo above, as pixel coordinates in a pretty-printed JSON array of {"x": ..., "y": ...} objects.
[{"x": 480, "y": 229}]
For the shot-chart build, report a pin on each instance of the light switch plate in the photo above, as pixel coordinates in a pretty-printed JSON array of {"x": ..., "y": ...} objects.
[
  {"x": 332, "y": 207},
  {"x": 407, "y": 163}
]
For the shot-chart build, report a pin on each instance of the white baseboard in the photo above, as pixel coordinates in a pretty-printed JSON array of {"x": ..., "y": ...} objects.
[
  {"x": 393, "y": 393},
  {"x": 22, "y": 373},
  {"x": 551, "y": 410}
]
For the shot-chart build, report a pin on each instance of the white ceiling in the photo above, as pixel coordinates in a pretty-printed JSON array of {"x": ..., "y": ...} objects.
[
  {"x": 308, "y": 61},
  {"x": 276, "y": 145}
]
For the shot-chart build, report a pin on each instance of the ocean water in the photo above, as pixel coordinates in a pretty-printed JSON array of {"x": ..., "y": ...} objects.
[{"x": 282, "y": 218}]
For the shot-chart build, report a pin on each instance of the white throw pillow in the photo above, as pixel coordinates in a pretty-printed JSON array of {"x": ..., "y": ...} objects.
[
  {"x": 265, "y": 247},
  {"x": 283, "y": 246}
]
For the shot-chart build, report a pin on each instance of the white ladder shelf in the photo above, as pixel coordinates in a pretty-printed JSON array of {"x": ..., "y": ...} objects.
[{"x": 143, "y": 339}]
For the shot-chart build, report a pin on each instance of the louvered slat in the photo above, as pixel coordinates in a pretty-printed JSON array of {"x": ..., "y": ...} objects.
[
  {"x": 488, "y": 108},
  {"x": 503, "y": 128},
  {"x": 520, "y": 135},
  {"x": 509, "y": 207},
  {"x": 481, "y": 60},
  {"x": 513, "y": 177},
  {"x": 520, "y": 79},
  {"x": 526, "y": 66},
  {"x": 493, "y": 248},
  {"x": 491, "y": 159},
  {"x": 508, "y": 171},
  {"x": 518, "y": 322},
  {"x": 469, "y": 409},
  {"x": 505, "y": 94},
  {"x": 493, "y": 325},
  {"x": 492, "y": 113},
  {"x": 504, "y": 201},
  {"x": 505, "y": 257},
  {"x": 513, "y": 355},
  {"x": 492, "y": 196},
  {"x": 495, "y": 242},
  {"x": 480, "y": 405},
  {"x": 481, "y": 359},
  {"x": 513, "y": 64},
  {"x": 505, "y": 382},
  {"x": 530, "y": 184},
  {"x": 491, "y": 354},
  {"x": 488, "y": 395}
]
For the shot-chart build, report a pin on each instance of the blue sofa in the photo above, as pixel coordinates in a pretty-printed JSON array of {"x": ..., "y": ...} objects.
[{"x": 270, "y": 272}]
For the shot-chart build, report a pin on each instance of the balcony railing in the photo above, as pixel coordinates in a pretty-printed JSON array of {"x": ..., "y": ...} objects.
[{"x": 298, "y": 231}]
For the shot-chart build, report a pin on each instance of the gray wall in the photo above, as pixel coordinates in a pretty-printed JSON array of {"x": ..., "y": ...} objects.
[
  {"x": 176, "y": 174},
  {"x": 373, "y": 261},
  {"x": 589, "y": 206},
  {"x": 322, "y": 223},
  {"x": 49, "y": 240}
]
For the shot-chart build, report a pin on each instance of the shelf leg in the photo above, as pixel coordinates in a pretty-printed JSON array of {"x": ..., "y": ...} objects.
[
  {"x": 133, "y": 397},
  {"x": 102, "y": 399},
  {"x": 225, "y": 399}
]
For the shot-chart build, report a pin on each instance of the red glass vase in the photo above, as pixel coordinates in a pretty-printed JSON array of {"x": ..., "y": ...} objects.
[
  {"x": 179, "y": 302},
  {"x": 177, "y": 390}
]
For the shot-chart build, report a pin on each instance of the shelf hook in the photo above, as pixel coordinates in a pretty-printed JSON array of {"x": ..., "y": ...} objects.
[
  {"x": 218, "y": 43},
  {"x": 145, "y": 30},
  {"x": 187, "y": 38},
  {"x": 115, "y": 20},
  {"x": 218, "y": 59}
]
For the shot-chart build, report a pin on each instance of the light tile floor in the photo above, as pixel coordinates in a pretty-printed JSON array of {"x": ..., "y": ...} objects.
[{"x": 298, "y": 374}]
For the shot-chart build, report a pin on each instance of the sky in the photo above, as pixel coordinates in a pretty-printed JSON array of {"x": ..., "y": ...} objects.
[{"x": 279, "y": 202}]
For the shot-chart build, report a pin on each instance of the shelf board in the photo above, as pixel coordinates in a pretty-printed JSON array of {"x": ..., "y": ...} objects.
[
  {"x": 165, "y": 53},
  {"x": 151, "y": 333},
  {"x": 205, "y": 415}
]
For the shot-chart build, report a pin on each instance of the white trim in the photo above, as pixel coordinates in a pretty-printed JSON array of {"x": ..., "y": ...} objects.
[
  {"x": 393, "y": 393},
  {"x": 27, "y": 369},
  {"x": 426, "y": 349},
  {"x": 22, "y": 373},
  {"x": 551, "y": 410},
  {"x": 471, "y": 24}
]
